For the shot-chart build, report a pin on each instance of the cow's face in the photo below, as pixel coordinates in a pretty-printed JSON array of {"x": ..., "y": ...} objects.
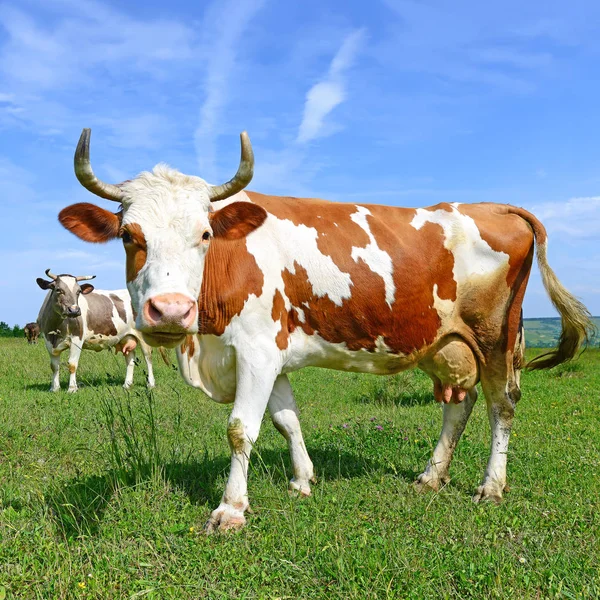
[
  {"x": 65, "y": 294},
  {"x": 166, "y": 224}
]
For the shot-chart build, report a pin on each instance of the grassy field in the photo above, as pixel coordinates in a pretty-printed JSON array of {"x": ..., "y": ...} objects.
[
  {"x": 103, "y": 494},
  {"x": 546, "y": 331}
]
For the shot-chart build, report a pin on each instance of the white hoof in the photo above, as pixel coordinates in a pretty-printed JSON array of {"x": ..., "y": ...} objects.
[
  {"x": 489, "y": 491},
  {"x": 225, "y": 518},
  {"x": 298, "y": 487}
]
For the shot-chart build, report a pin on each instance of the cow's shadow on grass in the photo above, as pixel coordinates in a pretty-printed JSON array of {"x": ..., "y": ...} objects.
[
  {"x": 95, "y": 381},
  {"x": 79, "y": 505},
  {"x": 411, "y": 388}
]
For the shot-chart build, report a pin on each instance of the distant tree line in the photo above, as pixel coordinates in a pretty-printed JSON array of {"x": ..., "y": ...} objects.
[{"x": 7, "y": 331}]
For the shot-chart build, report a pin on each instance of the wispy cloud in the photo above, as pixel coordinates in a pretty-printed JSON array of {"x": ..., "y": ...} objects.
[
  {"x": 56, "y": 57},
  {"x": 226, "y": 22},
  {"x": 328, "y": 93},
  {"x": 575, "y": 219}
]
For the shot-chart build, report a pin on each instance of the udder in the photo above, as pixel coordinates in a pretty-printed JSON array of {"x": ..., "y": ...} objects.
[
  {"x": 453, "y": 369},
  {"x": 126, "y": 345}
]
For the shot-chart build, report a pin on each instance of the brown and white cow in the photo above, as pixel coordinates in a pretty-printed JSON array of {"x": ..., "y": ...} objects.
[
  {"x": 253, "y": 287},
  {"x": 74, "y": 316},
  {"x": 32, "y": 333}
]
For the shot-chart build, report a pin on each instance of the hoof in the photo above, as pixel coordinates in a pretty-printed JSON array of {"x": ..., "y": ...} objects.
[
  {"x": 72, "y": 390},
  {"x": 127, "y": 386},
  {"x": 430, "y": 482},
  {"x": 225, "y": 518},
  {"x": 299, "y": 489},
  {"x": 489, "y": 492}
]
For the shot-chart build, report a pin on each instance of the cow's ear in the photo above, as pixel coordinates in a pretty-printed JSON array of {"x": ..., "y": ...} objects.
[
  {"x": 45, "y": 285},
  {"x": 236, "y": 220},
  {"x": 90, "y": 222},
  {"x": 86, "y": 288}
]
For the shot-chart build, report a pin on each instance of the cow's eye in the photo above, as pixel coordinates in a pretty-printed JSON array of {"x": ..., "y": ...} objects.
[
  {"x": 206, "y": 236},
  {"x": 126, "y": 237}
]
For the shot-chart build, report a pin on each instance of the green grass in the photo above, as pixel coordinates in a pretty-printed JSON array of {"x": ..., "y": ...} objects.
[
  {"x": 103, "y": 493},
  {"x": 544, "y": 332}
]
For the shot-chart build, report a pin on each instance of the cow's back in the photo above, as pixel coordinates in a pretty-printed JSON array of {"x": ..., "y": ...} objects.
[
  {"x": 108, "y": 317},
  {"x": 370, "y": 276}
]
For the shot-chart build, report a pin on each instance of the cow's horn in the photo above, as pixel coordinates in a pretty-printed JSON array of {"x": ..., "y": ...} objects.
[
  {"x": 243, "y": 176},
  {"x": 51, "y": 275},
  {"x": 85, "y": 277},
  {"x": 83, "y": 171}
]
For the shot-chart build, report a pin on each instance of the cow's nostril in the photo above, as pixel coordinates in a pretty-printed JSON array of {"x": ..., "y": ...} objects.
[{"x": 153, "y": 312}]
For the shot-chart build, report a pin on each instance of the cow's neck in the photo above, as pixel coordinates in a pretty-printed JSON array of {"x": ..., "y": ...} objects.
[
  {"x": 230, "y": 276},
  {"x": 49, "y": 319}
]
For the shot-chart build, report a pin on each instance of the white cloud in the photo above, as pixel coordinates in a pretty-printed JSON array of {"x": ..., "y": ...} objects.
[
  {"x": 325, "y": 95},
  {"x": 46, "y": 54},
  {"x": 575, "y": 219}
]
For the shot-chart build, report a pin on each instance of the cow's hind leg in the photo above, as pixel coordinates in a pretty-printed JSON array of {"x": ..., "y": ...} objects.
[
  {"x": 455, "y": 418},
  {"x": 284, "y": 414},
  {"x": 147, "y": 352},
  {"x": 129, "y": 367},
  {"x": 502, "y": 393}
]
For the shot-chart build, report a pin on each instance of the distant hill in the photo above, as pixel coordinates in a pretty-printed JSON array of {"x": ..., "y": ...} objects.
[{"x": 544, "y": 332}]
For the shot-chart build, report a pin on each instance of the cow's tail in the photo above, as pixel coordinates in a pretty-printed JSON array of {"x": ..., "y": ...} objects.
[{"x": 577, "y": 324}]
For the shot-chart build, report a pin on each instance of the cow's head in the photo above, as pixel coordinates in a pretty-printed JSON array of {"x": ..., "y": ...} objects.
[
  {"x": 167, "y": 223},
  {"x": 66, "y": 290}
]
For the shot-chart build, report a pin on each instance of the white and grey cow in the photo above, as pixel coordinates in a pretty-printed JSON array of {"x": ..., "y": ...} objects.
[{"x": 74, "y": 316}]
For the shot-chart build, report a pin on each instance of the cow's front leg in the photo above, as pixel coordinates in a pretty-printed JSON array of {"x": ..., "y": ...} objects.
[
  {"x": 55, "y": 366},
  {"x": 254, "y": 386},
  {"x": 284, "y": 414},
  {"x": 74, "y": 354}
]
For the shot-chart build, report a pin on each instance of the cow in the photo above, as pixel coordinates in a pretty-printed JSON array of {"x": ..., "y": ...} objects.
[
  {"x": 251, "y": 287},
  {"x": 32, "y": 333},
  {"x": 77, "y": 317}
]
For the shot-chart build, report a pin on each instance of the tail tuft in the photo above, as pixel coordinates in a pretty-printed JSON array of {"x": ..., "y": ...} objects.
[{"x": 577, "y": 325}]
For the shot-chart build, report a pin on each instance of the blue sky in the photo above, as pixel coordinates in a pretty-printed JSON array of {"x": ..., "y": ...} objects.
[{"x": 393, "y": 102}]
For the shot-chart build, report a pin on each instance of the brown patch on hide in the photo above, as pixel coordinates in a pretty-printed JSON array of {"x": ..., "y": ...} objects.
[
  {"x": 419, "y": 261},
  {"x": 236, "y": 436},
  {"x": 120, "y": 306},
  {"x": 99, "y": 315},
  {"x": 280, "y": 314},
  {"x": 189, "y": 346},
  {"x": 231, "y": 275},
  {"x": 136, "y": 251}
]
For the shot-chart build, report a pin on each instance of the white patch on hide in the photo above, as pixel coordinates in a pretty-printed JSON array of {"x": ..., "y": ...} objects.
[
  {"x": 472, "y": 255},
  {"x": 444, "y": 307},
  {"x": 376, "y": 259},
  {"x": 298, "y": 244}
]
